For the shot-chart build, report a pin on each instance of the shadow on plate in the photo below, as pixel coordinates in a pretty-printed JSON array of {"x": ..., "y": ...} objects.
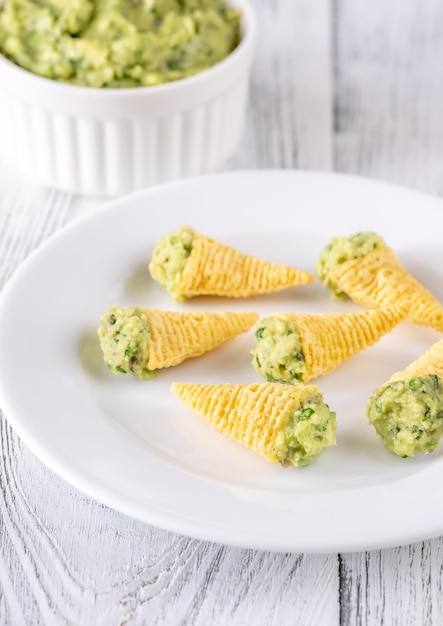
[{"x": 91, "y": 357}]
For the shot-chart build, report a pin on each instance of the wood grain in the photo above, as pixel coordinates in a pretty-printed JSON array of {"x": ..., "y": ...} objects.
[
  {"x": 395, "y": 586},
  {"x": 290, "y": 118},
  {"x": 389, "y": 91}
]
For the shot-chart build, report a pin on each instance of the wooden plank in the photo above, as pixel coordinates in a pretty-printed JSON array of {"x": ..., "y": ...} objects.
[
  {"x": 400, "y": 586},
  {"x": 389, "y": 91},
  {"x": 289, "y": 123}
]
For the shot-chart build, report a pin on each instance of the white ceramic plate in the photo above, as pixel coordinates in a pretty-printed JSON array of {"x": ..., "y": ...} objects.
[{"x": 133, "y": 446}]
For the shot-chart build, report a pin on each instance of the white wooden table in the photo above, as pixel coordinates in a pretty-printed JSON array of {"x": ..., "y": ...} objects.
[{"x": 350, "y": 85}]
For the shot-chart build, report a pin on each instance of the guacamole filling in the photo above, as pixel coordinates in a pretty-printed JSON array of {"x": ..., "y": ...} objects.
[
  {"x": 408, "y": 414},
  {"x": 124, "y": 340},
  {"x": 169, "y": 258},
  {"x": 117, "y": 43},
  {"x": 278, "y": 354},
  {"x": 342, "y": 249},
  {"x": 309, "y": 431}
]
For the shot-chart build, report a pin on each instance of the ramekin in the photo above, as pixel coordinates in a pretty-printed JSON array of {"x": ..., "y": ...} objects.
[{"x": 108, "y": 142}]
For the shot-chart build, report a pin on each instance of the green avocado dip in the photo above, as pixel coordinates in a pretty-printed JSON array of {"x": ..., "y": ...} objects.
[
  {"x": 169, "y": 258},
  {"x": 310, "y": 430},
  {"x": 408, "y": 414},
  {"x": 342, "y": 249},
  {"x": 124, "y": 340},
  {"x": 117, "y": 43},
  {"x": 278, "y": 354}
]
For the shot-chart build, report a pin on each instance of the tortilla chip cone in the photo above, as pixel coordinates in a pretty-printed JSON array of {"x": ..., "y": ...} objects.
[
  {"x": 378, "y": 279},
  {"x": 407, "y": 411},
  {"x": 430, "y": 362},
  {"x": 177, "y": 335},
  {"x": 258, "y": 416},
  {"x": 217, "y": 269},
  {"x": 325, "y": 341},
  {"x": 188, "y": 264},
  {"x": 139, "y": 340}
]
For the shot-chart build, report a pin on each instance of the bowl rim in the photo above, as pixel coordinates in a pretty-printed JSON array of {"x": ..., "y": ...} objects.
[{"x": 249, "y": 30}]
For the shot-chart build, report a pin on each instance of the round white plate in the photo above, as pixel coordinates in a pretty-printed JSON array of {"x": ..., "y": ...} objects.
[{"x": 132, "y": 445}]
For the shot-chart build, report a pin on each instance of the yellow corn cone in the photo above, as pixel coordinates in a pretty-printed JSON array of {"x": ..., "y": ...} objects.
[
  {"x": 140, "y": 341},
  {"x": 253, "y": 415},
  {"x": 406, "y": 412},
  {"x": 430, "y": 362},
  {"x": 216, "y": 269},
  {"x": 378, "y": 279},
  {"x": 179, "y": 335},
  {"x": 330, "y": 339}
]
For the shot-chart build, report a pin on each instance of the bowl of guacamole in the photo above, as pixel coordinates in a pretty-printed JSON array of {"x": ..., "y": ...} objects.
[{"x": 117, "y": 95}]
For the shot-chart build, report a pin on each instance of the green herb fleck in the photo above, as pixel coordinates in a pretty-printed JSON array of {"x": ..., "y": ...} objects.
[{"x": 306, "y": 413}]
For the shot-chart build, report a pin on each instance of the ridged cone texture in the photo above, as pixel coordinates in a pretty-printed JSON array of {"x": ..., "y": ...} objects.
[
  {"x": 328, "y": 340},
  {"x": 430, "y": 362},
  {"x": 252, "y": 415},
  {"x": 378, "y": 280},
  {"x": 179, "y": 335},
  {"x": 216, "y": 269}
]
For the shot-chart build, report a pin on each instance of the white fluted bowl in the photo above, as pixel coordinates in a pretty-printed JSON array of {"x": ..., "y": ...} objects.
[{"x": 107, "y": 142}]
